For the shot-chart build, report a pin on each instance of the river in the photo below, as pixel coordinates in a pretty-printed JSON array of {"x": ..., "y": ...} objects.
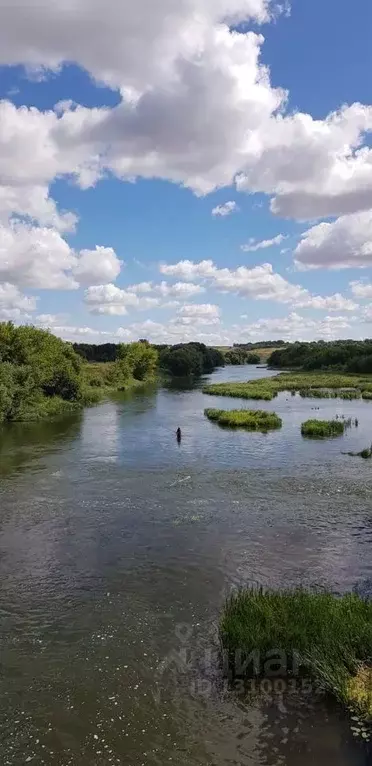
[{"x": 117, "y": 548}]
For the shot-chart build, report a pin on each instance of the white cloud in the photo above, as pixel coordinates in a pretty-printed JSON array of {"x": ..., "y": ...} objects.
[
  {"x": 344, "y": 243},
  {"x": 109, "y": 299},
  {"x": 189, "y": 269},
  {"x": 259, "y": 282},
  {"x": 225, "y": 210},
  {"x": 361, "y": 289},
  {"x": 254, "y": 245},
  {"x": 35, "y": 257},
  {"x": 336, "y": 302},
  {"x": 199, "y": 314},
  {"x": 198, "y": 109},
  {"x": 296, "y": 327},
  {"x": 95, "y": 266},
  {"x": 13, "y": 305},
  {"x": 315, "y": 168},
  {"x": 39, "y": 257}
]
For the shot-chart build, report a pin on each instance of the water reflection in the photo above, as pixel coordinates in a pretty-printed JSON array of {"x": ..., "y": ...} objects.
[
  {"x": 24, "y": 443},
  {"x": 112, "y": 537}
]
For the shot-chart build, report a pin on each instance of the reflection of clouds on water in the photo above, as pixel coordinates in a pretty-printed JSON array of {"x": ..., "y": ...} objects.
[{"x": 100, "y": 436}]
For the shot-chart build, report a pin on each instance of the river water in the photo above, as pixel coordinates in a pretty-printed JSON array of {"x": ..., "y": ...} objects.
[{"x": 117, "y": 549}]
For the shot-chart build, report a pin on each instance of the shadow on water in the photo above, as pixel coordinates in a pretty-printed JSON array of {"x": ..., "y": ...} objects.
[{"x": 21, "y": 444}]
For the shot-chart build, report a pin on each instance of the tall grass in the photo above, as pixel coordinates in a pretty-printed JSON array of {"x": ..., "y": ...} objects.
[
  {"x": 317, "y": 634},
  {"x": 255, "y": 420},
  {"x": 323, "y": 428}
]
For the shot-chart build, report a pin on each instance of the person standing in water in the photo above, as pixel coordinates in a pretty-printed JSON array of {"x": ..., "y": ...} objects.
[{"x": 179, "y": 434}]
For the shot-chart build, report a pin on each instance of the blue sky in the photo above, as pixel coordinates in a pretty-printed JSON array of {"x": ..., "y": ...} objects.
[{"x": 191, "y": 170}]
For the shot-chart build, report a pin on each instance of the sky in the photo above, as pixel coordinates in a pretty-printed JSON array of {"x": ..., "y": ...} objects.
[{"x": 186, "y": 169}]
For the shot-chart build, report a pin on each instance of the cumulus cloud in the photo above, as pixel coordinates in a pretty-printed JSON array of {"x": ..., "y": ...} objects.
[
  {"x": 225, "y": 210},
  {"x": 39, "y": 257},
  {"x": 36, "y": 257},
  {"x": 253, "y": 244},
  {"x": 14, "y": 305},
  {"x": 296, "y": 327},
  {"x": 336, "y": 302},
  {"x": 109, "y": 299},
  {"x": 259, "y": 282},
  {"x": 99, "y": 265},
  {"x": 199, "y": 109},
  {"x": 361, "y": 289},
  {"x": 344, "y": 243},
  {"x": 202, "y": 314},
  {"x": 314, "y": 168}
]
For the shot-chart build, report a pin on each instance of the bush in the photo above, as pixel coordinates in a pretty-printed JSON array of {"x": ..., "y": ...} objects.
[
  {"x": 255, "y": 420},
  {"x": 323, "y": 428}
]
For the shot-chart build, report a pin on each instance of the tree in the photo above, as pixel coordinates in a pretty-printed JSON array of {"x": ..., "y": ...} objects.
[{"x": 137, "y": 360}]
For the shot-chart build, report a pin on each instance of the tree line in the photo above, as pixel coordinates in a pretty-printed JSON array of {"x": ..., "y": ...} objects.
[{"x": 342, "y": 355}]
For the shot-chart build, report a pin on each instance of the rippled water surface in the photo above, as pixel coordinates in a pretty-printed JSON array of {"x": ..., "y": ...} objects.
[{"x": 117, "y": 547}]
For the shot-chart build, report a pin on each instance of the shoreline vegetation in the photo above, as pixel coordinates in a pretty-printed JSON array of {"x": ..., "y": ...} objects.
[
  {"x": 318, "y": 636},
  {"x": 312, "y": 385},
  {"x": 42, "y": 376},
  {"x": 253, "y": 420}
]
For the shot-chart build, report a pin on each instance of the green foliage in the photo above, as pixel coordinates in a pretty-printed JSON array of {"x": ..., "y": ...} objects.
[
  {"x": 107, "y": 352},
  {"x": 318, "y": 635},
  {"x": 190, "y": 359},
  {"x": 36, "y": 367},
  {"x": 136, "y": 360},
  {"x": 254, "y": 420},
  {"x": 238, "y": 355},
  {"x": 343, "y": 355},
  {"x": 323, "y": 428}
]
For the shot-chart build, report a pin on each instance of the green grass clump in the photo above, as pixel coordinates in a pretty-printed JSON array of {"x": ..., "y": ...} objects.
[
  {"x": 350, "y": 394},
  {"x": 315, "y": 384},
  {"x": 255, "y": 420},
  {"x": 323, "y": 428},
  {"x": 366, "y": 394},
  {"x": 314, "y": 634},
  {"x": 240, "y": 390}
]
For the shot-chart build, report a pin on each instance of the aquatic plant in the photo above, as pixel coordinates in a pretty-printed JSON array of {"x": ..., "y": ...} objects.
[
  {"x": 255, "y": 420},
  {"x": 365, "y": 453},
  {"x": 319, "y": 635},
  {"x": 323, "y": 428}
]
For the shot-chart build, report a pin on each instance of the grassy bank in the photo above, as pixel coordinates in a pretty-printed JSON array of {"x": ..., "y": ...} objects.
[
  {"x": 317, "y": 385},
  {"x": 254, "y": 420},
  {"x": 325, "y": 638},
  {"x": 323, "y": 428}
]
